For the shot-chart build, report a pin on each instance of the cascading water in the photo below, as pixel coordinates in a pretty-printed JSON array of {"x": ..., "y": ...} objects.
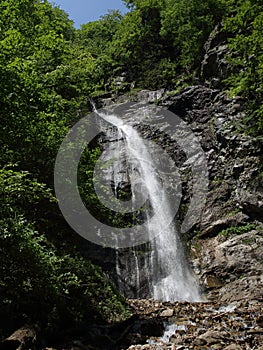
[{"x": 132, "y": 170}]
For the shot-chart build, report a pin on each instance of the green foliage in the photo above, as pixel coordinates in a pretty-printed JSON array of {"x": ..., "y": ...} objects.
[
  {"x": 189, "y": 24},
  {"x": 137, "y": 45},
  {"x": 45, "y": 80},
  {"x": 237, "y": 230},
  {"x": 42, "y": 286},
  {"x": 159, "y": 40},
  {"x": 19, "y": 191},
  {"x": 95, "y": 39},
  {"x": 38, "y": 283},
  {"x": 96, "y": 36},
  {"x": 31, "y": 48},
  {"x": 46, "y": 76},
  {"x": 245, "y": 23}
]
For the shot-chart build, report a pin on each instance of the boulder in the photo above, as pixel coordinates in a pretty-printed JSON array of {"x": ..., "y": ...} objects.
[
  {"x": 167, "y": 313},
  {"x": 252, "y": 204},
  {"x": 211, "y": 337},
  {"x": 231, "y": 267},
  {"x": 22, "y": 339}
]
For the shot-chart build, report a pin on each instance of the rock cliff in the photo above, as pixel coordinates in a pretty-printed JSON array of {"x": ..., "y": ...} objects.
[{"x": 226, "y": 243}]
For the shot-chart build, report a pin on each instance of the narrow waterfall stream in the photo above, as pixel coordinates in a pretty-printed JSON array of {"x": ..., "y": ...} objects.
[{"x": 162, "y": 267}]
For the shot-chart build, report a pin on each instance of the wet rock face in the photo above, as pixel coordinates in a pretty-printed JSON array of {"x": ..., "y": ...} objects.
[
  {"x": 227, "y": 254},
  {"x": 233, "y": 158},
  {"x": 229, "y": 263},
  {"x": 132, "y": 265},
  {"x": 123, "y": 190},
  {"x": 235, "y": 194}
]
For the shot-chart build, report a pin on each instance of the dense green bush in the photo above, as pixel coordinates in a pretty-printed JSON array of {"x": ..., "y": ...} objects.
[
  {"x": 245, "y": 23},
  {"x": 38, "y": 283},
  {"x": 159, "y": 40},
  {"x": 46, "y": 76}
]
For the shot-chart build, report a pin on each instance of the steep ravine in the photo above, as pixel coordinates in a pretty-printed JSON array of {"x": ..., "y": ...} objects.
[
  {"x": 233, "y": 205},
  {"x": 225, "y": 246}
]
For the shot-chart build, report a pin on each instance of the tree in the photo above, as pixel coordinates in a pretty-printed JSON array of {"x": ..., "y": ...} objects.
[
  {"x": 96, "y": 36},
  {"x": 245, "y": 23},
  {"x": 189, "y": 24},
  {"x": 45, "y": 79}
]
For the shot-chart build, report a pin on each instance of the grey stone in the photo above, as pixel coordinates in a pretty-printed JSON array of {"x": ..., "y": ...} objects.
[{"x": 167, "y": 313}]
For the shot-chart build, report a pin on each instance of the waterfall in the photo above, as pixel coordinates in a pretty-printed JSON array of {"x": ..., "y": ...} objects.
[{"x": 132, "y": 170}]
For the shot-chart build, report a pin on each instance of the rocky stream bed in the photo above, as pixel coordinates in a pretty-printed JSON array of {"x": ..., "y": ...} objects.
[
  {"x": 179, "y": 326},
  {"x": 207, "y": 325},
  {"x": 169, "y": 326}
]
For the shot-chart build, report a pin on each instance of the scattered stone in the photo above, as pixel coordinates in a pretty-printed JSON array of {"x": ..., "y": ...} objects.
[
  {"x": 212, "y": 337},
  {"x": 167, "y": 313},
  {"x": 212, "y": 282},
  {"x": 233, "y": 347},
  {"x": 207, "y": 325}
]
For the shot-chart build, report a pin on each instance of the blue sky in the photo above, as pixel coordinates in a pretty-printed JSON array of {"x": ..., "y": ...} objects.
[{"x": 83, "y": 11}]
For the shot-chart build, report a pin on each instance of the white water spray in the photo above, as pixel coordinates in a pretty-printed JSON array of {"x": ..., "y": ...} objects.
[{"x": 169, "y": 275}]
